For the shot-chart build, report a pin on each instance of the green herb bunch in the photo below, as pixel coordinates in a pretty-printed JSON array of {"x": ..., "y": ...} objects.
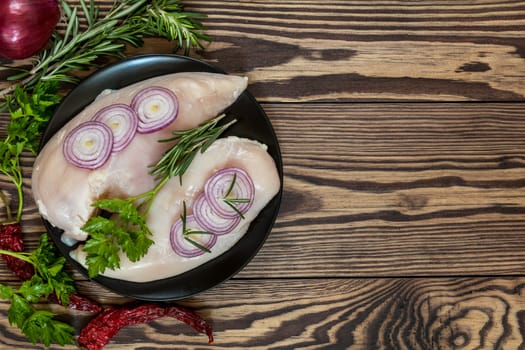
[
  {"x": 30, "y": 114},
  {"x": 50, "y": 277}
]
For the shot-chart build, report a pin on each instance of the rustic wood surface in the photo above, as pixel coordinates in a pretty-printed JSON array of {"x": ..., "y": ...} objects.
[{"x": 402, "y": 130}]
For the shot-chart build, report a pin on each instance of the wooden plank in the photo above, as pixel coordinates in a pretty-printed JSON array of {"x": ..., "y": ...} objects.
[
  {"x": 359, "y": 51},
  {"x": 355, "y": 50},
  {"x": 444, "y": 313},
  {"x": 390, "y": 190},
  {"x": 398, "y": 190}
]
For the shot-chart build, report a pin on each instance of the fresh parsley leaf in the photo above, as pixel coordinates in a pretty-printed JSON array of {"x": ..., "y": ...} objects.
[
  {"x": 41, "y": 326},
  {"x": 102, "y": 252},
  {"x": 51, "y": 268},
  {"x": 50, "y": 277},
  {"x": 50, "y": 274},
  {"x": 19, "y": 311},
  {"x": 30, "y": 113},
  {"x": 125, "y": 232},
  {"x": 38, "y": 325},
  {"x": 6, "y": 292},
  {"x": 33, "y": 289}
]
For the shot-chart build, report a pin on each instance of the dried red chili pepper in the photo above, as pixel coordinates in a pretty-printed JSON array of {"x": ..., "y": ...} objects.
[
  {"x": 11, "y": 239},
  {"x": 99, "y": 331},
  {"x": 191, "y": 319}
]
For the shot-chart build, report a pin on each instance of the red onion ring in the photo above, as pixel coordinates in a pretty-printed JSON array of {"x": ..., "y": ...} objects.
[
  {"x": 185, "y": 248},
  {"x": 89, "y": 145},
  {"x": 122, "y": 121},
  {"x": 217, "y": 186},
  {"x": 209, "y": 220},
  {"x": 156, "y": 108}
]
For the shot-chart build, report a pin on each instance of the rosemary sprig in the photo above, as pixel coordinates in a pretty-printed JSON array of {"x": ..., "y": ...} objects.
[
  {"x": 127, "y": 22},
  {"x": 176, "y": 160},
  {"x": 197, "y": 244},
  {"x": 168, "y": 19}
]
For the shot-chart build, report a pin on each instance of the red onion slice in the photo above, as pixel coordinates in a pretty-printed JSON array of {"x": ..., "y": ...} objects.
[
  {"x": 209, "y": 220},
  {"x": 216, "y": 190},
  {"x": 156, "y": 108},
  {"x": 122, "y": 121},
  {"x": 182, "y": 246},
  {"x": 89, "y": 145}
]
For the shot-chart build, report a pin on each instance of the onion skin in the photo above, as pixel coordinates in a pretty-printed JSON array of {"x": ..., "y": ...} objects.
[{"x": 26, "y": 26}]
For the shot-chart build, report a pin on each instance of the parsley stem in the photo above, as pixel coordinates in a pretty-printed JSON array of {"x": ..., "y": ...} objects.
[
  {"x": 6, "y": 206},
  {"x": 151, "y": 195},
  {"x": 19, "y": 255},
  {"x": 16, "y": 178},
  {"x": 20, "y": 203}
]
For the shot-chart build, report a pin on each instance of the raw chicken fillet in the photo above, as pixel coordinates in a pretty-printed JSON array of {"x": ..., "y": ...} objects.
[{"x": 64, "y": 193}]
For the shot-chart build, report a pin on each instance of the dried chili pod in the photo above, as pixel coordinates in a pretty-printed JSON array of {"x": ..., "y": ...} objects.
[
  {"x": 11, "y": 239},
  {"x": 191, "y": 319},
  {"x": 99, "y": 331}
]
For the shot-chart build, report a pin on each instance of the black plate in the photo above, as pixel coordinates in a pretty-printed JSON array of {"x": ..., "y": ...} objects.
[{"x": 252, "y": 123}]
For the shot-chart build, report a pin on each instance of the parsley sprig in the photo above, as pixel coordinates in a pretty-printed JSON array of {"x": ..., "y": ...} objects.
[
  {"x": 121, "y": 225},
  {"x": 50, "y": 277},
  {"x": 30, "y": 114}
]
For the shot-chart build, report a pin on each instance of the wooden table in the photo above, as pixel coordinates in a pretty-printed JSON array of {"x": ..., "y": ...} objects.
[{"x": 402, "y": 224}]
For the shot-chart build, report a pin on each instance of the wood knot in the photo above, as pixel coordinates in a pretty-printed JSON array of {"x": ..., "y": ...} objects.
[
  {"x": 412, "y": 202},
  {"x": 467, "y": 323},
  {"x": 474, "y": 67}
]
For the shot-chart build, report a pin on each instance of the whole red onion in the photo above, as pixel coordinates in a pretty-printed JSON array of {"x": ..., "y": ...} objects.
[{"x": 26, "y": 26}]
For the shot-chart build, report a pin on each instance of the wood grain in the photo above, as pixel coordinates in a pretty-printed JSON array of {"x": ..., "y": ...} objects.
[
  {"x": 401, "y": 225},
  {"x": 365, "y": 51},
  {"x": 439, "y": 313},
  {"x": 355, "y": 50},
  {"x": 391, "y": 190},
  {"x": 398, "y": 190}
]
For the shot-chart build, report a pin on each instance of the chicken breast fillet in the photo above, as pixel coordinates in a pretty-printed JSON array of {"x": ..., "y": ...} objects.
[
  {"x": 64, "y": 193},
  {"x": 162, "y": 261}
]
